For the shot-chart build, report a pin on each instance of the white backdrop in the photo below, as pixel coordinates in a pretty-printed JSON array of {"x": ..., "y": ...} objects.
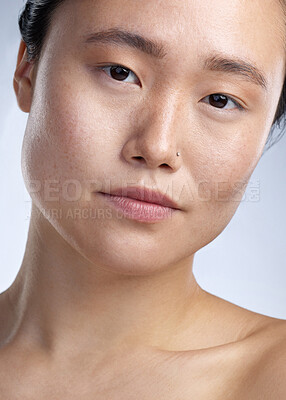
[{"x": 245, "y": 265}]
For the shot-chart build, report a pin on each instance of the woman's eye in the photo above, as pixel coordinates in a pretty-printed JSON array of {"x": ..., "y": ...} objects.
[
  {"x": 120, "y": 73},
  {"x": 222, "y": 101}
]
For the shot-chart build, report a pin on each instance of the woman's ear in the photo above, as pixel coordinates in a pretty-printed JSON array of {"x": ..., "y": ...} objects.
[{"x": 23, "y": 79}]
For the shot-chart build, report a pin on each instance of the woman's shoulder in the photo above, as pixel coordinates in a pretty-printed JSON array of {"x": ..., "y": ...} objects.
[
  {"x": 252, "y": 368},
  {"x": 258, "y": 362},
  {"x": 249, "y": 358},
  {"x": 264, "y": 346},
  {"x": 267, "y": 360}
]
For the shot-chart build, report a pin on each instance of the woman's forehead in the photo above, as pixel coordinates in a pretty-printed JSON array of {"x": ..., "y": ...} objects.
[{"x": 204, "y": 22}]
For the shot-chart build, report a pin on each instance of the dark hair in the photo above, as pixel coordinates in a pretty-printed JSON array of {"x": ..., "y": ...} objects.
[{"x": 34, "y": 21}]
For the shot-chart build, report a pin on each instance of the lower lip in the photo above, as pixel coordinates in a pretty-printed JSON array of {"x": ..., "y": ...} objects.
[{"x": 140, "y": 210}]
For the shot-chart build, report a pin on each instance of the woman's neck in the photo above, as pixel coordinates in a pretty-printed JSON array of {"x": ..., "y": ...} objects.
[{"x": 63, "y": 301}]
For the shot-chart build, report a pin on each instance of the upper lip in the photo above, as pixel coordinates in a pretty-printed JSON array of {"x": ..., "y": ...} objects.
[{"x": 145, "y": 194}]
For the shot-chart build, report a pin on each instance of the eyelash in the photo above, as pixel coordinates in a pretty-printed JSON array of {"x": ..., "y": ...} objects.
[
  {"x": 239, "y": 107},
  {"x": 116, "y": 65}
]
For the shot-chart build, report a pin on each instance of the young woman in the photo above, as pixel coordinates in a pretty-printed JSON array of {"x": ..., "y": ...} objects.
[{"x": 146, "y": 121}]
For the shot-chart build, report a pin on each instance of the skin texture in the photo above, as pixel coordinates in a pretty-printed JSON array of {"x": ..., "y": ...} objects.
[{"x": 109, "y": 305}]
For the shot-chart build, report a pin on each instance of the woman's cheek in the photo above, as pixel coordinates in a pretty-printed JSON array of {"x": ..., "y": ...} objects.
[
  {"x": 73, "y": 139},
  {"x": 225, "y": 168}
]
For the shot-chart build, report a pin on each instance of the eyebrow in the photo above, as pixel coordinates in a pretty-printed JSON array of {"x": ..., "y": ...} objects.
[
  {"x": 119, "y": 36},
  {"x": 217, "y": 62},
  {"x": 236, "y": 66}
]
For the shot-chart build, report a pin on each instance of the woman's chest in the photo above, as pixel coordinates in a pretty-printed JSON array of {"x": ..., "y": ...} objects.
[{"x": 169, "y": 377}]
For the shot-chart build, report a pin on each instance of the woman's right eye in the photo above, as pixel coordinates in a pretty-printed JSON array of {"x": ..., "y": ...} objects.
[{"x": 120, "y": 73}]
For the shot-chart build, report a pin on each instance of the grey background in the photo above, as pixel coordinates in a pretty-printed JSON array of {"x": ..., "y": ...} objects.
[{"x": 245, "y": 265}]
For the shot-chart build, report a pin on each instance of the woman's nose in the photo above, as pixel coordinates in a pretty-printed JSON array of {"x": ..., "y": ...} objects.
[{"x": 157, "y": 136}]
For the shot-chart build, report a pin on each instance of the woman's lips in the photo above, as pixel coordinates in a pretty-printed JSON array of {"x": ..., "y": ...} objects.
[
  {"x": 139, "y": 210},
  {"x": 144, "y": 194}
]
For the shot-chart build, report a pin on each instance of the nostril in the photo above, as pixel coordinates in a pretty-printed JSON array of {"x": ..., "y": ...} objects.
[
  {"x": 138, "y": 158},
  {"x": 165, "y": 165}
]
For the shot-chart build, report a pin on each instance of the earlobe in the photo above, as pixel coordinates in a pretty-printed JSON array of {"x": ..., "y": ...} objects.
[{"x": 22, "y": 82}]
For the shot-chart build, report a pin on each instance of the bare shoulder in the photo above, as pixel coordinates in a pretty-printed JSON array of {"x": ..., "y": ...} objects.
[
  {"x": 252, "y": 362},
  {"x": 263, "y": 361},
  {"x": 272, "y": 374},
  {"x": 257, "y": 364}
]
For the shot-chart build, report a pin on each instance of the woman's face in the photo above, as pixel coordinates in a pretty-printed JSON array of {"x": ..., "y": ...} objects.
[{"x": 92, "y": 130}]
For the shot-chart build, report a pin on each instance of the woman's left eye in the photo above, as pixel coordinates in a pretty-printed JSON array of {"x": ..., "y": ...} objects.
[
  {"x": 120, "y": 73},
  {"x": 222, "y": 101}
]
